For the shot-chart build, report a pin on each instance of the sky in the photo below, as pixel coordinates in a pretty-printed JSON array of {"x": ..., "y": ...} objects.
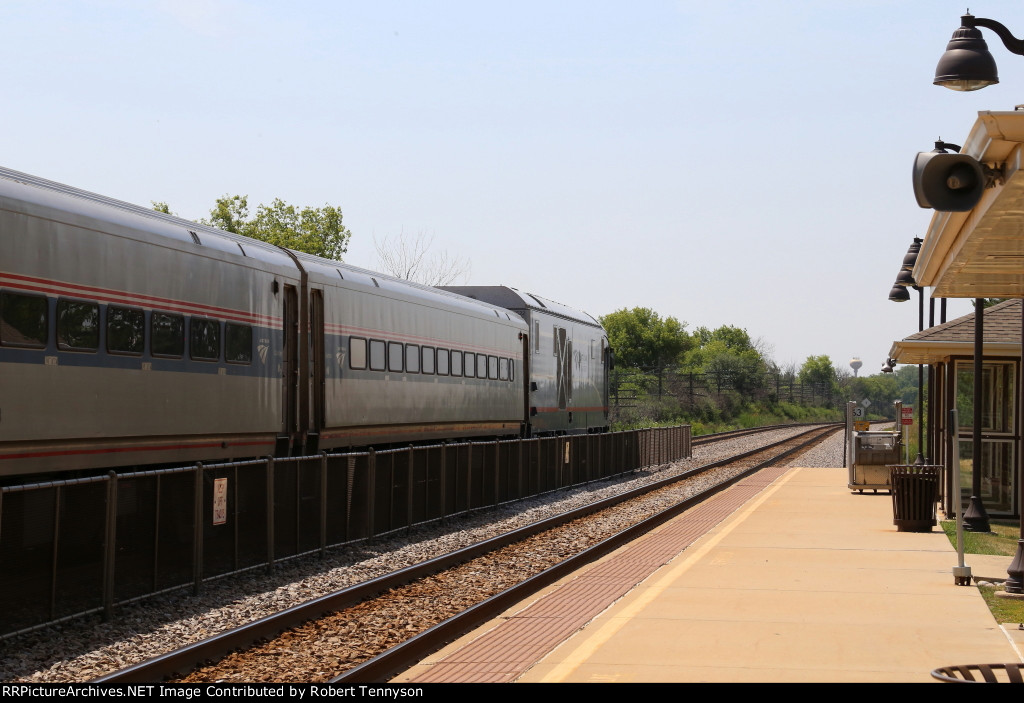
[{"x": 724, "y": 163}]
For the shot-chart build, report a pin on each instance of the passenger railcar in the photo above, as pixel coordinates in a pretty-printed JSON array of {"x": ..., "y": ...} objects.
[
  {"x": 568, "y": 358},
  {"x": 401, "y": 362},
  {"x": 129, "y": 337}
]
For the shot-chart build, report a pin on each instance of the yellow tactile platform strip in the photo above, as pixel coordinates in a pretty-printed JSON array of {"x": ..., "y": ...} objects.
[{"x": 507, "y": 650}]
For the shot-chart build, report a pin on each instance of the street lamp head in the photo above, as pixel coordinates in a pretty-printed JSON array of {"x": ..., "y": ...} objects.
[
  {"x": 910, "y": 258},
  {"x": 899, "y": 294},
  {"x": 905, "y": 278},
  {"x": 967, "y": 63}
]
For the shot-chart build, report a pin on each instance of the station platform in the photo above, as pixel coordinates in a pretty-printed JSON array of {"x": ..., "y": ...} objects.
[{"x": 787, "y": 576}]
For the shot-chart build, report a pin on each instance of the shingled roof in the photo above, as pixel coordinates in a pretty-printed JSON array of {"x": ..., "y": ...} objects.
[{"x": 956, "y": 338}]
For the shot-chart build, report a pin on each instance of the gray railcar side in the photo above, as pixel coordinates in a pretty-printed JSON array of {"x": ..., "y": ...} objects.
[
  {"x": 568, "y": 361},
  {"x": 414, "y": 401},
  {"x": 63, "y": 406}
]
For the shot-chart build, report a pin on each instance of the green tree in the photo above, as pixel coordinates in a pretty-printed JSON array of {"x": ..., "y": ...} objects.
[
  {"x": 729, "y": 353},
  {"x": 318, "y": 231},
  {"x": 641, "y": 338},
  {"x": 819, "y": 370}
]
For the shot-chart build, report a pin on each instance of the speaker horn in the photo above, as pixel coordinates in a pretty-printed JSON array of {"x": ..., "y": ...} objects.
[{"x": 948, "y": 182}]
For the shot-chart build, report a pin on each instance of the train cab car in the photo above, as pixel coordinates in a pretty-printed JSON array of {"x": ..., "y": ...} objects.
[
  {"x": 568, "y": 361},
  {"x": 395, "y": 361},
  {"x": 129, "y": 337}
]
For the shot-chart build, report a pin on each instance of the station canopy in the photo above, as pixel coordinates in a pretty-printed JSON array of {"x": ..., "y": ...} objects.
[
  {"x": 1001, "y": 328},
  {"x": 980, "y": 253}
]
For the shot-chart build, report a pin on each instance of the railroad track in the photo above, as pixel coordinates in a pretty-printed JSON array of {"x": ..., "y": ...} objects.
[
  {"x": 731, "y": 434},
  {"x": 369, "y": 631}
]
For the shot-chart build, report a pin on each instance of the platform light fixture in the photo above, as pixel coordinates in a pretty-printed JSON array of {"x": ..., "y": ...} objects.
[{"x": 967, "y": 63}]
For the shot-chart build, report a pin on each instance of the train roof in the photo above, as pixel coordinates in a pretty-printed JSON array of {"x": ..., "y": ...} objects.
[
  {"x": 65, "y": 198},
  {"x": 346, "y": 272},
  {"x": 514, "y": 299}
]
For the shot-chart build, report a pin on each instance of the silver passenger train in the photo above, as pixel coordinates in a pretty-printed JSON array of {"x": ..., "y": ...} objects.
[{"x": 129, "y": 338}]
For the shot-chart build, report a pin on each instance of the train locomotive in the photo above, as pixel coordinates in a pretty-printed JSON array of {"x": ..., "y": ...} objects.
[{"x": 131, "y": 338}]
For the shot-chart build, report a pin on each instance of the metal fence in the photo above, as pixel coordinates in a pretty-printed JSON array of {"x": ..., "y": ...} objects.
[
  {"x": 631, "y": 386},
  {"x": 74, "y": 547}
]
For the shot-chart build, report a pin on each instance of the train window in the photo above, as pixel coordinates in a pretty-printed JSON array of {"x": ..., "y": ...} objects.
[
  {"x": 442, "y": 362},
  {"x": 469, "y": 365},
  {"x": 204, "y": 340},
  {"x": 511, "y": 370},
  {"x": 412, "y": 358},
  {"x": 24, "y": 321},
  {"x": 237, "y": 343},
  {"x": 456, "y": 363},
  {"x": 377, "y": 355},
  {"x": 492, "y": 367},
  {"x": 356, "y": 353},
  {"x": 166, "y": 334},
  {"x": 395, "y": 353},
  {"x": 126, "y": 330},
  {"x": 536, "y": 336},
  {"x": 78, "y": 325},
  {"x": 502, "y": 369},
  {"x": 428, "y": 359}
]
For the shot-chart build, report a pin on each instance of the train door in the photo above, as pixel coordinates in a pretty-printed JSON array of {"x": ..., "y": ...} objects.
[
  {"x": 563, "y": 367},
  {"x": 606, "y": 363},
  {"x": 316, "y": 391},
  {"x": 525, "y": 380},
  {"x": 290, "y": 363}
]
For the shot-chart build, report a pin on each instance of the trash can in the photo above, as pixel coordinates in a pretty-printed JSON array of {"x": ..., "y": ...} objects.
[{"x": 915, "y": 490}]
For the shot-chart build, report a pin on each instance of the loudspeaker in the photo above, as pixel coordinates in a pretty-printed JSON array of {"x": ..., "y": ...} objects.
[{"x": 948, "y": 182}]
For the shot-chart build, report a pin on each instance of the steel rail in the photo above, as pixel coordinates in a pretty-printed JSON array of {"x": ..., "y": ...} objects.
[
  {"x": 188, "y": 657},
  {"x": 730, "y": 434}
]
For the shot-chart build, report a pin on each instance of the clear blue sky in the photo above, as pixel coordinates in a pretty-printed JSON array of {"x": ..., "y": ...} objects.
[{"x": 726, "y": 162}]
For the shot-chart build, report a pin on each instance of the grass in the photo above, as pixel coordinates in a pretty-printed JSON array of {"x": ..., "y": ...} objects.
[
  {"x": 1002, "y": 540},
  {"x": 1004, "y": 610}
]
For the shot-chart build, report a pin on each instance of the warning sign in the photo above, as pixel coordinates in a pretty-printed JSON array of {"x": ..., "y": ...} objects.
[
  {"x": 908, "y": 415},
  {"x": 220, "y": 501}
]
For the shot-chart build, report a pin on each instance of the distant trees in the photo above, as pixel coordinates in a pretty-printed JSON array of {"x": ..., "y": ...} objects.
[
  {"x": 641, "y": 338},
  {"x": 319, "y": 231},
  {"x": 884, "y": 389},
  {"x": 819, "y": 370},
  {"x": 410, "y": 258},
  {"x": 728, "y": 351}
]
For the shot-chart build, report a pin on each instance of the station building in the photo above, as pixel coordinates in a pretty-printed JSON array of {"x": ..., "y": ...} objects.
[
  {"x": 976, "y": 254},
  {"x": 948, "y": 351}
]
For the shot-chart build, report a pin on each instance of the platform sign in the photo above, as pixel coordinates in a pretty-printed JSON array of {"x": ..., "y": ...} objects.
[
  {"x": 908, "y": 415},
  {"x": 220, "y": 501}
]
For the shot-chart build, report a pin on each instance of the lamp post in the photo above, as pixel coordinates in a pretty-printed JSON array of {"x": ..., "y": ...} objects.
[
  {"x": 976, "y": 517},
  {"x": 899, "y": 294},
  {"x": 968, "y": 65}
]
